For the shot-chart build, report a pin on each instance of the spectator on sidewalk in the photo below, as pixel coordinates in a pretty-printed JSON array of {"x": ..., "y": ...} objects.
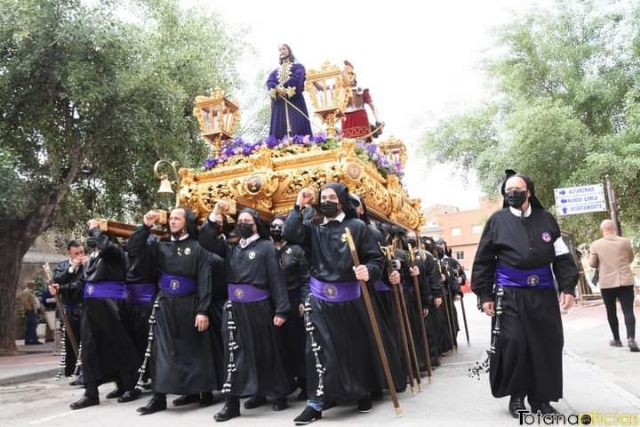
[
  {"x": 612, "y": 255},
  {"x": 30, "y": 305}
]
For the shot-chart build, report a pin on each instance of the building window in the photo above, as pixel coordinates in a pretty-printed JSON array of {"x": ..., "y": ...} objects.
[
  {"x": 456, "y": 231},
  {"x": 476, "y": 229},
  {"x": 459, "y": 254}
]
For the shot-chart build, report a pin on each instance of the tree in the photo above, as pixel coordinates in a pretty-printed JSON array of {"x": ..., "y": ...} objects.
[
  {"x": 565, "y": 110},
  {"x": 89, "y": 100}
]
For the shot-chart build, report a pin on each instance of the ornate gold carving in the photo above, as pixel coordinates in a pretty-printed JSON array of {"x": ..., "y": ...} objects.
[{"x": 269, "y": 180}]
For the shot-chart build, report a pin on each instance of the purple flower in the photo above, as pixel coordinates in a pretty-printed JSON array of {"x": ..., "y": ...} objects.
[{"x": 271, "y": 141}]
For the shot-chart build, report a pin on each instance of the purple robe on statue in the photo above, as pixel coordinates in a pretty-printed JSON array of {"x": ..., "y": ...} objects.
[{"x": 291, "y": 78}]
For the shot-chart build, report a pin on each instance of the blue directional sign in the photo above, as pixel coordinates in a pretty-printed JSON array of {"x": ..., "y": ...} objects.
[{"x": 577, "y": 200}]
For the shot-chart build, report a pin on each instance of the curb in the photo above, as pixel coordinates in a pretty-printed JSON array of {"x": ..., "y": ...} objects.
[{"x": 18, "y": 379}]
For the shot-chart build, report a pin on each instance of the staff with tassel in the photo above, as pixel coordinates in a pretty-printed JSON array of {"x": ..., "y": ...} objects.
[
  {"x": 374, "y": 325},
  {"x": 398, "y": 310},
  {"x": 423, "y": 326},
  {"x": 60, "y": 307}
]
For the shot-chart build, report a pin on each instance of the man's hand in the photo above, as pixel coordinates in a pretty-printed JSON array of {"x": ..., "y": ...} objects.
[
  {"x": 305, "y": 197},
  {"x": 202, "y": 322},
  {"x": 425, "y": 312},
  {"x": 394, "y": 278},
  {"x": 220, "y": 208},
  {"x": 566, "y": 301},
  {"x": 150, "y": 218},
  {"x": 278, "y": 320},
  {"x": 53, "y": 288},
  {"x": 93, "y": 223},
  {"x": 362, "y": 272},
  {"x": 488, "y": 308},
  {"x": 437, "y": 302},
  {"x": 301, "y": 310},
  {"x": 457, "y": 297},
  {"x": 414, "y": 271}
]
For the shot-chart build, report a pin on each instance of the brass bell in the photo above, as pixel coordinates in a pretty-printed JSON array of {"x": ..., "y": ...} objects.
[{"x": 165, "y": 187}]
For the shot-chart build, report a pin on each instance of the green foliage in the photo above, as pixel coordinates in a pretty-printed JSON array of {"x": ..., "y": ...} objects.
[
  {"x": 566, "y": 110},
  {"x": 97, "y": 92}
]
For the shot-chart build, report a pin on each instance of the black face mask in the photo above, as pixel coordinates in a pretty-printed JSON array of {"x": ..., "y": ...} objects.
[
  {"x": 276, "y": 234},
  {"x": 244, "y": 230},
  {"x": 515, "y": 199},
  {"x": 328, "y": 209},
  {"x": 412, "y": 242}
]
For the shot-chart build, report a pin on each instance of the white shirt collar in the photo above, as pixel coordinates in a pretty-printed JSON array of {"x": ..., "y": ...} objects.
[
  {"x": 338, "y": 218},
  {"x": 246, "y": 242},
  {"x": 518, "y": 212},
  {"x": 183, "y": 237}
]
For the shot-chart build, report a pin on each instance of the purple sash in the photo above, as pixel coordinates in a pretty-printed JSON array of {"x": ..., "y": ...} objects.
[
  {"x": 141, "y": 293},
  {"x": 115, "y": 290},
  {"x": 380, "y": 286},
  {"x": 172, "y": 285},
  {"x": 240, "y": 292},
  {"x": 531, "y": 278},
  {"x": 335, "y": 291}
]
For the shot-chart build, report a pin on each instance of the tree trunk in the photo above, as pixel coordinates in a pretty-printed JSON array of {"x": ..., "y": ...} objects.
[
  {"x": 10, "y": 266},
  {"x": 16, "y": 236}
]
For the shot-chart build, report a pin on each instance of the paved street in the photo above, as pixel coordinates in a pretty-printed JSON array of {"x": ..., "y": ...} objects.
[{"x": 597, "y": 377}]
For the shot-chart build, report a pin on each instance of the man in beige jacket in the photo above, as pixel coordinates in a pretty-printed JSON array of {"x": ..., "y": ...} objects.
[{"x": 613, "y": 255}]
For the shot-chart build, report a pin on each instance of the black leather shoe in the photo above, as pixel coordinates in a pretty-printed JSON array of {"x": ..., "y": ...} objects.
[
  {"x": 114, "y": 393},
  {"x": 516, "y": 405},
  {"x": 633, "y": 346},
  {"x": 230, "y": 410},
  {"x": 154, "y": 405},
  {"x": 129, "y": 396},
  {"x": 435, "y": 361},
  {"x": 364, "y": 405},
  {"x": 187, "y": 399},
  {"x": 77, "y": 381},
  {"x": 85, "y": 402},
  {"x": 307, "y": 416},
  {"x": 255, "y": 402},
  {"x": 542, "y": 407},
  {"x": 280, "y": 404}
]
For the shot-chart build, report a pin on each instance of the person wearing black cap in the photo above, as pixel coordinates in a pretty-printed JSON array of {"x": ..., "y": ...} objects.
[
  {"x": 257, "y": 306},
  {"x": 108, "y": 353},
  {"x": 520, "y": 252},
  {"x": 185, "y": 359},
  {"x": 340, "y": 350},
  {"x": 294, "y": 264},
  {"x": 453, "y": 277}
]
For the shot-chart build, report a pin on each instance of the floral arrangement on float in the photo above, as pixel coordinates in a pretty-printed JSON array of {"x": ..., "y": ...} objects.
[{"x": 237, "y": 149}]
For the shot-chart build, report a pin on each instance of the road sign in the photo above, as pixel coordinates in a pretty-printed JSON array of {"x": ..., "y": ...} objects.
[{"x": 577, "y": 200}]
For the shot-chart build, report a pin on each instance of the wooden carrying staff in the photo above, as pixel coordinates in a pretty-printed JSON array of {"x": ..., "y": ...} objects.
[
  {"x": 63, "y": 314},
  {"x": 423, "y": 326},
  {"x": 398, "y": 311},
  {"x": 445, "y": 299},
  {"x": 374, "y": 324}
]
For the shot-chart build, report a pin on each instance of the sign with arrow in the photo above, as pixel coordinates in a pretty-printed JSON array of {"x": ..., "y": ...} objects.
[{"x": 577, "y": 200}]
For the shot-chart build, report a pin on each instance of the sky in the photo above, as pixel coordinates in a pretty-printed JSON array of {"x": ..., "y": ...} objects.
[{"x": 422, "y": 62}]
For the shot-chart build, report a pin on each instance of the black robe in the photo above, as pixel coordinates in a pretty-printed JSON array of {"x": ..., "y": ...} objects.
[
  {"x": 347, "y": 360},
  {"x": 430, "y": 289},
  {"x": 528, "y": 354},
  {"x": 108, "y": 353},
  {"x": 293, "y": 261},
  {"x": 185, "y": 361},
  {"x": 141, "y": 269},
  {"x": 257, "y": 368},
  {"x": 387, "y": 314},
  {"x": 71, "y": 286}
]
